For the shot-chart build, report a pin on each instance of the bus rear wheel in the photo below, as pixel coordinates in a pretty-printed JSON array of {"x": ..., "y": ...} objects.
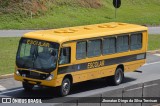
[
  {"x": 118, "y": 77},
  {"x": 27, "y": 86},
  {"x": 65, "y": 87}
]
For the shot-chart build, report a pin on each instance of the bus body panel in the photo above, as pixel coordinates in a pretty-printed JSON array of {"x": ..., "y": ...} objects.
[{"x": 95, "y": 67}]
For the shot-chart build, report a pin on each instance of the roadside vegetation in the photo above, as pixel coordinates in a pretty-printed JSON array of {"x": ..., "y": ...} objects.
[
  {"x": 9, "y": 47},
  {"x": 45, "y": 14},
  {"x": 7, "y": 54},
  {"x": 154, "y": 42}
]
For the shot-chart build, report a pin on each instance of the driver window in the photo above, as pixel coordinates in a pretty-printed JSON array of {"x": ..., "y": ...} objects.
[{"x": 65, "y": 55}]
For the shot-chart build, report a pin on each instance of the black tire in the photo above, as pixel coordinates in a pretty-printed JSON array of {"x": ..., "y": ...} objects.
[
  {"x": 27, "y": 86},
  {"x": 65, "y": 87},
  {"x": 118, "y": 77}
]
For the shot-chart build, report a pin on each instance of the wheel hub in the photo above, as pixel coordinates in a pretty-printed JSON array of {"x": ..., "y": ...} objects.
[
  {"x": 118, "y": 77},
  {"x": 66, "y": 87}
]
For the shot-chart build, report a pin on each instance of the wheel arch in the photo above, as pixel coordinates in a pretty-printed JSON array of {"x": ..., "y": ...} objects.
[
  {"x": 70, "y": 77},
  {"x": 121, "y": 66}
]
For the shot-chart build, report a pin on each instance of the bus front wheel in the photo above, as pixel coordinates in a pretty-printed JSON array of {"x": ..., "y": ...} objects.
[
  {"x": 27, "y": 86},
  {"x": 118, "y": 77},
  {"x": 65, "y": 87}
]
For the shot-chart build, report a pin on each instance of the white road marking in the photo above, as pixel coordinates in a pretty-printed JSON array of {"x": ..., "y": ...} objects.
[
  {"x": 150, "y": 85},
  {"x": 157, "y": 54},
  {"x": 151, "y": 63},
  {"x": 2, "y": 88},
  {"x": 11, "y": 91}
]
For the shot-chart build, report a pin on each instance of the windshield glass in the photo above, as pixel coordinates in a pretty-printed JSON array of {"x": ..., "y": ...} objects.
[{"x": 37, "y": 54}]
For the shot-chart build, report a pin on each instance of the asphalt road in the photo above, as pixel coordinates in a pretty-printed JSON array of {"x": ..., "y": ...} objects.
[
  {"x": 19, "y": 33},
  {"x": 150, "y": 71}
]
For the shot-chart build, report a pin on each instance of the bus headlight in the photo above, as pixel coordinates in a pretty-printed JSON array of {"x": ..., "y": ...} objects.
[
  {"x": 17, "y": 73},
  {"x": 50, "y": 77}
]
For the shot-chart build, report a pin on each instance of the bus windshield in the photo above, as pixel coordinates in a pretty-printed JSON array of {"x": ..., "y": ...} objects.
[{"x": 37, "y": 55}]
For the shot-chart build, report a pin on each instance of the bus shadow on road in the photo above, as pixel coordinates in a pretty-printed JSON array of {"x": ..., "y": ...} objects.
[{"x": 96, "y": 84}]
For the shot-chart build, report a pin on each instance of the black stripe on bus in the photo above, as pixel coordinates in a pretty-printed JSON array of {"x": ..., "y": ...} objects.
[{"x": 101, "y": 63}]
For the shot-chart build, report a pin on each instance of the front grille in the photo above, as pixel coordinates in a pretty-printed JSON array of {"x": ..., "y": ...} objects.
[{"x": 32, "y": 74}]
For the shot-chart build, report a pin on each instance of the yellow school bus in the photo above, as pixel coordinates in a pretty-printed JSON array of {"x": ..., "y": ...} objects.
[{"x": 62, "y": 57}]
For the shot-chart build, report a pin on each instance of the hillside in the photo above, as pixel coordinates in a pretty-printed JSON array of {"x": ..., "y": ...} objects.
[{"x": 44, "y": 14}]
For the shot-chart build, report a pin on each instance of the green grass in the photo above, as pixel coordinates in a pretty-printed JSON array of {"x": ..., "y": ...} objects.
[
  {"x": 9, "y": 46},
  {"x": 154, "y": 42},
  {"x": 131, "y": 11}
]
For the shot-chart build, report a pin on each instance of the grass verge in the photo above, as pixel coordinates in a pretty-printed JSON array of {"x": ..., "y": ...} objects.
[
  {"x": 154, "y": 42},
  {"x": 8, "y": 47},
  {"x": 68, "y": 14}
]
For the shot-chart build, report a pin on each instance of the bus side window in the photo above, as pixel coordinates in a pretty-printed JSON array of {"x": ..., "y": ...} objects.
[
  {"x": 109, "y": 45},
  {"x": 136, "y": 41},
  {"x": 65, "y": 55},
  {"x": 81, "y": 50},
  {"x": 94, "y": 48},
  {"x": 122, "y": 43}
]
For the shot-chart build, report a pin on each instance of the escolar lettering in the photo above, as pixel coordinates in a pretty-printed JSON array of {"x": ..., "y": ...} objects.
[
  {"x": 37, "y": 43},
  {"x": 95, "y": 64}
]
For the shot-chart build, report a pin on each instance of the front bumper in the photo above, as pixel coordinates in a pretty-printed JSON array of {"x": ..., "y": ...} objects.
[{"x": 51, "y": 83}]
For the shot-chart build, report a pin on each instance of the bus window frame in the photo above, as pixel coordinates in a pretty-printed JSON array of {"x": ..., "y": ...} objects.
[
  {"x": 128, "y": 42},
  {"x": 100, "y": 47},
  {"x": 86, "y": 50},
  {"x": 141, "y": 40},
  {"x": 112, "y": 36}
]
